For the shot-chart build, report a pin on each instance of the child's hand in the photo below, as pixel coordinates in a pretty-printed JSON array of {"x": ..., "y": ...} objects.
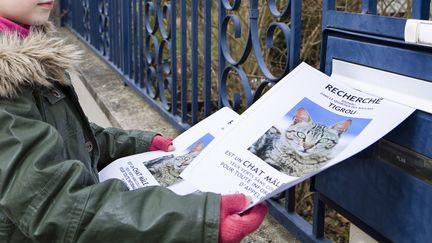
[
  {"x": 161, "y": 143},
  {"x": 233, "y": 227}
]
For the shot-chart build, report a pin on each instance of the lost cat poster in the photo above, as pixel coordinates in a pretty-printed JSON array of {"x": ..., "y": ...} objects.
[
  {"x": 306, "y": 123},
  {"x": 163, "y": 168}
]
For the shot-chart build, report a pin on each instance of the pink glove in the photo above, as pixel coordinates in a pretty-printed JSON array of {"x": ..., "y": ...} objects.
[
  {"x": 161, "y": 143},
  {"x": 233, "y": 227}
]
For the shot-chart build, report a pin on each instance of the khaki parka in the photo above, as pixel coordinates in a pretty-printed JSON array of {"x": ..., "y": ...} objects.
[{"x": 50, "y": 156}]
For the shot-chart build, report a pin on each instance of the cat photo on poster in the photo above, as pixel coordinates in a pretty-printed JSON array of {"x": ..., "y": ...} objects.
[
  {"x": 305, "y": 138},
  {"x": 167, "y": 169}
]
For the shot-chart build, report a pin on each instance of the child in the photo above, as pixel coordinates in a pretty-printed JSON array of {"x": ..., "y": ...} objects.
[{"x": 50, "y": 156}]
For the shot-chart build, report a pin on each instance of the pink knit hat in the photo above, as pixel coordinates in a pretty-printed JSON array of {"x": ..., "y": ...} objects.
[{"x": 7, "y": 25}]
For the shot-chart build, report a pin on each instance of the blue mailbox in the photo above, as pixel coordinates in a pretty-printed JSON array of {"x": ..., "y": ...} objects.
[{"x": 386, "y": 190}]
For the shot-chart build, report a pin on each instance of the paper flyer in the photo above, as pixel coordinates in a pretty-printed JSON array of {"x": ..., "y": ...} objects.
[
  {"x": 163, "y": 168},
  {"x": 306, "y": 123}
]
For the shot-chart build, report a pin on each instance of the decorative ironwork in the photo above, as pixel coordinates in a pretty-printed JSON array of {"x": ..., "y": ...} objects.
[
  {"x": 104, "y": 28},
  {"x": 138, "y": 38},
  {"x": 159, "y": 81},
  {"x": 253, "y": 44},
  {"x": 86, "y": 19},
  {"x": 152, "y": 47}
]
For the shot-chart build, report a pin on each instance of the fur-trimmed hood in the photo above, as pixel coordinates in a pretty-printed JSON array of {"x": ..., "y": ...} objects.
[{"x": 35, "y": 60}]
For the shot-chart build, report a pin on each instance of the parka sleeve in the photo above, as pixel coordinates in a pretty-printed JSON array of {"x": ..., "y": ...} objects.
[
  {"x": 51, "y": 199},
  {"x": 115, "y": 143}
]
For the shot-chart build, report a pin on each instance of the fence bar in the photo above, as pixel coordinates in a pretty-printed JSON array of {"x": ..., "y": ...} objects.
[
  {"x": 141, "y": 45},
  {"x": 421, "y": 9},
  {"x": 290, "y": 200},
  {"x": 207, "y": 56},
  {"x": 136, "y": 48},
  {"x": 369, "y": 6},
  {"x": 184, "y": 61},
  {"x": 128, "y": 38},
  {"x": 221, "y": 60},
  {"x": 111, "y": 14},
  {"x": 173, "y": 53},
  {"x": 318, "y": 217},
  {"x": 194, "y": 36},
  {"x": 295, "y": 42}
]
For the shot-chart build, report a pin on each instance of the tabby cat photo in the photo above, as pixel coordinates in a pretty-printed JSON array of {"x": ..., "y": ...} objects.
[
  {"x": 302, "y": 147},
  {"x": 167, "y": 169}
]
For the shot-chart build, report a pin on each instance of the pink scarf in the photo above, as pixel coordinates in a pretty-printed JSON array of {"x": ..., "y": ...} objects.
[{"x": 7, "y": 25}]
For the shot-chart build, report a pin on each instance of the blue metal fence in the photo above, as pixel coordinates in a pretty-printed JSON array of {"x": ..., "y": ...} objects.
[{"x": 182, "y": 56}]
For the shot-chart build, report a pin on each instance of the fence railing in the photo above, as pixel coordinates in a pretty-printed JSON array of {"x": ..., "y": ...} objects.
[{"x": 188, "y": 58}]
